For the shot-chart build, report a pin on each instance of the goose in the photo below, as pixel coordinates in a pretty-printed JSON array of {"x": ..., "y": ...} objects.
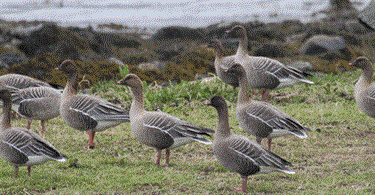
[
  {"x": 86, "y": 112},
  {"x": 222, "y": 63},
  {"x": 21, "y": 81},
  {"x": 239, "y": 154},
  {"x": 364, "y": 89},
  {"x": 158, "y": 129},
  {"x": 262, "y": 72},
  {"x": 19, "y": 146},
  {"x": 36, "y": 103},
  {"x": 261, "y": 119}
]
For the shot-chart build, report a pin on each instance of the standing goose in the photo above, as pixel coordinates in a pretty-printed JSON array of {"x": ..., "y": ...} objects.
[
  {"x": 265, "y": 73},
  {"x": 158, "y": 129},
  {"x": 238, "y": 154},
  {"x": 21, "y": 81},
  {"x": 364, "y": 90},
  {"x": 222, "y": 63},
  {"x": 19, "y": 146},
  {"x": 36, "y": 103},
  {"x": 85, "y": 112},
  {"x": 262, "y": 119}
]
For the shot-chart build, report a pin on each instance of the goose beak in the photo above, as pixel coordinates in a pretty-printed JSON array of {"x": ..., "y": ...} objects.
[{"x": 207, "y": 102}]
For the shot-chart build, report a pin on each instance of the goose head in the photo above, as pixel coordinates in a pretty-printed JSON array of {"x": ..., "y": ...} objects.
[
  {"x": 362, "y": 63},
  {"x": 68, "y": 67},
  {"x": 237, "y": 31},
  {"x": 216, "y": 102},
  {"x": 131, "y": 80}
]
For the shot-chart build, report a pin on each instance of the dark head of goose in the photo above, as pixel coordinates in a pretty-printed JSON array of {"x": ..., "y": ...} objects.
[
  {"x": 237, "y": 31},
  {"x": 216, "y": 102},
  {"x": 68, "y": 67},
  {"x": 362, "y": 63},
  {"x": 130, "y": 80}
]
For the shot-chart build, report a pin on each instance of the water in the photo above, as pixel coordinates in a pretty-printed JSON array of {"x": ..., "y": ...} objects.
[{"x": 153, "y": 14}]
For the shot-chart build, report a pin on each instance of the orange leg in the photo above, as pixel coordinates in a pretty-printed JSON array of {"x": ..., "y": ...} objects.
[
  {"x": 91, "y": 134},
  {"x": 167, "y": 154},
  {"x": 29, "y": 124},
  {"x": 29, "y": 171},
  {"x": 16, "y": 172},
  {"x": 243, "y": 187},
  {"x": 269, "y": 144},
  {"x": 42, "y": 123},
  {"x": 158, "y": 156}
]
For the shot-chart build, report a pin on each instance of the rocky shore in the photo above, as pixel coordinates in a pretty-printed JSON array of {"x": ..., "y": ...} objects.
[{"x": 175, "y": 53}]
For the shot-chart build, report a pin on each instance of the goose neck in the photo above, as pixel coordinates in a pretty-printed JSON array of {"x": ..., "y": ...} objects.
[
  {"x": 7, "y": 105},
  {"x": 223, "y": 124},
  {"x": 137, "y": 103},
  {"x": 71, "y": 87},
  {"x": 242, "y": 46},
  {"x": 243, "y": 93}
]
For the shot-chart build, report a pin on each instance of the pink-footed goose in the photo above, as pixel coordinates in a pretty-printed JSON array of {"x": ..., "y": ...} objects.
[
  {"x": 262, "y": 119},
  {"x": 21, "y": 81},
  {"x": 239, "y": 154},
  {"x": 262, "y": 72},
  {"x": 86, "y": 112},
  {"x": 222, "y": 63},
  {"x": 19, "y": 146},
  {"x": 36, "y": 103},
  {"x": 158, "y": 129},
  {"x": 364, "y": 89}
]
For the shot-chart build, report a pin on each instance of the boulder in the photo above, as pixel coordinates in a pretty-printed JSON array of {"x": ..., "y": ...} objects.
[
  {"x": 270, "y": 50},
  {"x": 303, "y": 66},
  {"x": 10, "y": 55},
  {"x": 155, "y": 65},
  {"x": 177, "y": 32},
  {"x": 321, "y": 44}
]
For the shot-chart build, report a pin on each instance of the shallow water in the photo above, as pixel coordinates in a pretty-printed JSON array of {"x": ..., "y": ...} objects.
[{"x": 154, "y": 15}]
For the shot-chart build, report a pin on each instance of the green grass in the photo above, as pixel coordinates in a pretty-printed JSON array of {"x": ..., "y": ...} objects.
[{"x": 336, "y": 158}]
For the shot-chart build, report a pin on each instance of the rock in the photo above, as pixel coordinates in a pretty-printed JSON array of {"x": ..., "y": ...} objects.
[
  {"x": 200, "y": 76},
  {"x": 321, "y": 44},
  {"x": 177, "y": 32},
  {"x": 155, "y": 65},
  {"x": 3, "y": 65},
  {"x": 41, "y": 38},
  {"x": 354, "y": 27},
  {"x": 116, "y": 61},
  {"x": 303, "y": 66},
  {"x": 12, "y": 56},
  {"x": 367, "y": 15},
  {"x": 26, "y": 30},
  {"x": 270, "y": 50}
]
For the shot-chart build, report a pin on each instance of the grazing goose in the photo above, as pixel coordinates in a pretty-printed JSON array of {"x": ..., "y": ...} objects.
[
  {"x": 239, "y": 154},
  {"x": 36, "y": 103},
  {"x": 265, "y": 73},
  {"x": 85, "y": 112},
  {"x": 158, "y": 129},
  {"x": 262, "y": 119},
  {"x": 19, "y": 146},
  {"x": 364, "y": 90},
  {"x": 21, "y": 81},
  {"x": 222, "y": 63}
]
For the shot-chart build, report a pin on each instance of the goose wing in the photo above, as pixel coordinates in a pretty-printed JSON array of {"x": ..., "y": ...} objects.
[
  {"x": 252, "y": 154},
  {"x": 29, "y": 144},
  {"x": 34, "y": 101},
  {"x": 279, "y": 70},
  {"x": 93, "y": 108},
  {"x": 275, "y": 118},
  {"x": 175, "y": 127}
]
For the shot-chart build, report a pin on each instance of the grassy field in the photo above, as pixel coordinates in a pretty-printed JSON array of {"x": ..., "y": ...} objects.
[{"x": 336, "y": 158}]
